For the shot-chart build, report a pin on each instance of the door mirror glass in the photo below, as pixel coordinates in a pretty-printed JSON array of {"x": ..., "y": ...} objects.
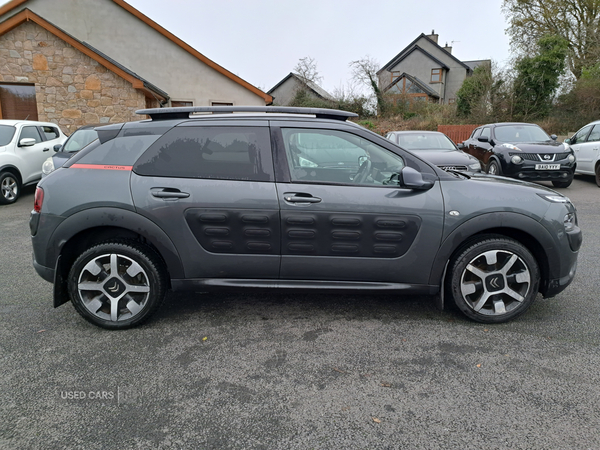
[{"x": 567, "y": 141}]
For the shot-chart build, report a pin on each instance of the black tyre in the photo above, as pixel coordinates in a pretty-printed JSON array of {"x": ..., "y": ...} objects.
[
  {"x": 494, "y": 168},
  {"x": 117, "y": 285},
  {"x": 562, "y": 184},
  {"x": 494, "y": 279},
  {"x": 10, "y": 188},
  {"x": 598, "y": 175}
]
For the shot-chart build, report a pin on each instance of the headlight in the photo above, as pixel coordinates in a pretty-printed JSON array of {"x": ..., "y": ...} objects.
[
  {"x": 569, "y": 221},
  {"x": 475, "y": 166},
  {"x": 306, "y": 163},
  {"x": 516, "y": 159},
  {"x": 48, "y": 166},
  {"x": 571, "y": 158},
  {"x": 555, "y": 198}
]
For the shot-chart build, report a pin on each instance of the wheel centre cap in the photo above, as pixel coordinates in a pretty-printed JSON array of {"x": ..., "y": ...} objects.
[
  {"x": 114, "y": 287},
  {"x": 494, "y": 283}
]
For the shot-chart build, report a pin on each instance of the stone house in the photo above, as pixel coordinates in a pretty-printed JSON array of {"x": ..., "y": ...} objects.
[
  {"x": 55, "y": 66},
  {"x": 285, "y": 91},
  {"x": 425, "y": 71}
]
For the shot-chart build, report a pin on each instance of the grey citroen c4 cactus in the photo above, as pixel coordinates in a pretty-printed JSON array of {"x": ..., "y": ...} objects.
[{"x": 198, "y": 198}]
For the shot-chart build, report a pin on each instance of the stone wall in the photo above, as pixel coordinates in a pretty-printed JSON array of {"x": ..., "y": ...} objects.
[{"x": 71, "y": 88}]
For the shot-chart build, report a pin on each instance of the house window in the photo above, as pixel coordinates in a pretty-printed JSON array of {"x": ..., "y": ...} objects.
[
  {"x": 178, "y": 103},
  {"x": 17, "y": 101},
  {"x": 436, "y": 75}
]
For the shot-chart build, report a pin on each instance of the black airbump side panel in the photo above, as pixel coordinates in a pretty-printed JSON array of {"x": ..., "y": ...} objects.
[
  {"x": 238, "y": 231},
  {"x": 352, "y": 235}
]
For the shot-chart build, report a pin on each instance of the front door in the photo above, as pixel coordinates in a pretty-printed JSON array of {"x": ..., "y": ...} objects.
[
  {"x": 32, "y": 156},
  {"x": 341, "y": 221}
]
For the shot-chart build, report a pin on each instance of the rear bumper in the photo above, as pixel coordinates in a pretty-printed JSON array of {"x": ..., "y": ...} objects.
[{"x": 46, "y": 273}]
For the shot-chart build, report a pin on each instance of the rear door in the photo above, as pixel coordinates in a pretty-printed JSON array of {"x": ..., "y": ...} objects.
[
  {"x": 340, "y": 220},
  {"x": 211, "y": 188}
]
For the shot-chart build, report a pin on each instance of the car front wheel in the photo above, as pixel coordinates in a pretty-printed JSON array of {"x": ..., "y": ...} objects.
[
  {"x": 494, "y": 168},
  {"x": 493, "y": 279},
  {"x": 117, "y": 285},
  {"x": 10, "y": 188}
]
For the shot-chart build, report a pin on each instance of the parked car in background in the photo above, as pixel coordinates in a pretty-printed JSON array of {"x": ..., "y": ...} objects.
[
  {"x": 24, "y": 145},
  {"x": 78, "y": 140},
  {"x": 586, "y": 145},
  {"x": 523, "y": 151},
  {"x": 288, "y": 198},
  {"x": 437, "y": 148}
]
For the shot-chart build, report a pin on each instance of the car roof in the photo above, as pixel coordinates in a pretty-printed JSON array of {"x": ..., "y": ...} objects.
[{"x": 26, "y": 122}]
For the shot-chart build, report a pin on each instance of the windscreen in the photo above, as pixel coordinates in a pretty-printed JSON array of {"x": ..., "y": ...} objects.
[
  {"x": 520, "y": 133},
  {"x": 6, "y": 134},
  {"x": 425, "y": 141}
]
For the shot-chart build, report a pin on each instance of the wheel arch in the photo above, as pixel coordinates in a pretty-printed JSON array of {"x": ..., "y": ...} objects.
[
  {"x": 525, "y": 230},
  {"x": 14, "y": 170},
  {"x": 94, "y": 226}
]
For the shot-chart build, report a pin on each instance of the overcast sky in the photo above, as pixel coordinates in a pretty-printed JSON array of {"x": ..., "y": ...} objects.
[{"x": 262, "y": 40}]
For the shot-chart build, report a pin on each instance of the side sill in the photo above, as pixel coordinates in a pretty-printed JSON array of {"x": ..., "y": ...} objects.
[{"x": 207, "y": 284}]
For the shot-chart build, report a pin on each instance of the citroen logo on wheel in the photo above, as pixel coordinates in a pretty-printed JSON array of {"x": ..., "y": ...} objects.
[
  {"x": 114, "y": 287},
  {"x": 494, "y": 282}
]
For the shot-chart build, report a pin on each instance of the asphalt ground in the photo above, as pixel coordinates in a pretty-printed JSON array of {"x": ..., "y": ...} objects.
[{"x": 296, "y": 370}]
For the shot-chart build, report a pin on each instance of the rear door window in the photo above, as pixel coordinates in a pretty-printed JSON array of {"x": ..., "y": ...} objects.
[{"x": 216, "y": 152}]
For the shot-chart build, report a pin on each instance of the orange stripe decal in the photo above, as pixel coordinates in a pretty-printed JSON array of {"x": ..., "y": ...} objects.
[{"x": 100, "y": 167}]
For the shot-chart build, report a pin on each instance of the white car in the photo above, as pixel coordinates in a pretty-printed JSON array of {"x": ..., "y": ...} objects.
[
  {"x": 24, "y": 146},
  {"x": 586, "y": 145}
]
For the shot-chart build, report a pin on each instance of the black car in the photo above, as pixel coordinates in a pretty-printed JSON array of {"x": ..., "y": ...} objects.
[
  {"x": 287, "y": 198},
  {"x": 78, "y": 140},
  {"x": 437, "y": 148},
  {"x": 523, "y": 151}
]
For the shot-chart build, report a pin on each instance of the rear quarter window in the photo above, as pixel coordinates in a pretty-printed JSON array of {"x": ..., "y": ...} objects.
[{"x": 122, "y": 151}]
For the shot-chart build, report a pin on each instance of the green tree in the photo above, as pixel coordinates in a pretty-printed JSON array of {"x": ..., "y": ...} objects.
[
  {"x": 473, "y": 96},
  {"x": 576, "y": 21},
  {"x": 537, "y": 79}
]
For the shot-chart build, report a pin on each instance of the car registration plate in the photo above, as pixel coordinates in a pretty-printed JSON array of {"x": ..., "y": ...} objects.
[{"x": 547, "y": 166}]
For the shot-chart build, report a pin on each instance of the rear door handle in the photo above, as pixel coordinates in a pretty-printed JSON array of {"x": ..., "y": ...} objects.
[
  {"x": 169, "y": 193},
  {"x": 46, "y": 149},
  {"x": 300, "y": 198}
]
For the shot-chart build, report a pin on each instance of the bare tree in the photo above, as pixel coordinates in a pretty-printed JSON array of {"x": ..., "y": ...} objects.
[
  {"x": 307, "y": 70},
  {"x": 365, "y": 71}
]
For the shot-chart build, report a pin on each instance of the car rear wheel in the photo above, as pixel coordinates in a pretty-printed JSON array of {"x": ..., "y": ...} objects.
[
  {"x": 598, "y": 175},
  {"x": 10, "y": 188},
  {"x": 494, "y": 168},
  {"x": 117, "y": 285},
  {"x": 493, "y": 279}
]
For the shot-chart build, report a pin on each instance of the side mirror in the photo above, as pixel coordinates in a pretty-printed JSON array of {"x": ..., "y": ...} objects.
[
  {"x": 553, "y": 137},
  {"x": 409, "y": 178},
  {"x": 26, "y": 142},
  {"x": 567, "y": 141},
  {"x": 460, "y": 146},
  {"x": 483, "y": 139},
  {"x": 58, "y": 147}
]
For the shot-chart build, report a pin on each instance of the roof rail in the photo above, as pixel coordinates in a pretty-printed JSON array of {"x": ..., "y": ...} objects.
[{"x": 183, "y": 112}]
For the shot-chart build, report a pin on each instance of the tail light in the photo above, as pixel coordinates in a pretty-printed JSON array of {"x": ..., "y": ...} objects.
[{"x": 39, "y": 199}]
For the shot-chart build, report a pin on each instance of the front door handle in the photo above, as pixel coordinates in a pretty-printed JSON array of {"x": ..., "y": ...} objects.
[
  {"x": 46, "y": 149},
  {"x": 294, "y": 197},
  {"x": 169, "y": 193}
]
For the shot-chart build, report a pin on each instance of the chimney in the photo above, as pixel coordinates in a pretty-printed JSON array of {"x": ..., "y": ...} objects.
[
  {"x": 433, "y": 36},
  {"x": 448, "y": 49}
]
